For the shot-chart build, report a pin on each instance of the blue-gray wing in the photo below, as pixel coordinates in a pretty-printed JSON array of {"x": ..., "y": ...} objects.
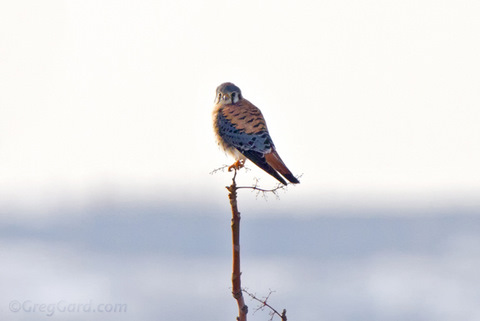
[{"x": 257, "y": 142}]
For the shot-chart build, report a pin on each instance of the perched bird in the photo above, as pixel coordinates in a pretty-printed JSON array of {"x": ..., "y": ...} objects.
[{"x": 242, "y": 132}]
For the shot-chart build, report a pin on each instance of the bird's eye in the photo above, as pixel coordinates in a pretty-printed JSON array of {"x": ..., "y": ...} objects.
[{"x": 233, "y": 96}]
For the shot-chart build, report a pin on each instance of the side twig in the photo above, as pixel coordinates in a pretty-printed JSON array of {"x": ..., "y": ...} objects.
[
  {"x": 264, "y": 303},
  {"x": 236, "y": 274}
]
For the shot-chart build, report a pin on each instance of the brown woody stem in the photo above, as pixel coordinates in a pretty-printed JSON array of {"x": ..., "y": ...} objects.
[{"x": 236, "y": 274}]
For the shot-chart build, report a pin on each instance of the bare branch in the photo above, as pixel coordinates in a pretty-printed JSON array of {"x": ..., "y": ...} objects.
[
  {"x": 236, "y": 274},
  {"x": 220, "y": 169},
  {"x": 261, "y": 191},
  {"x": 264, "y": 303},
  {"x": 237, "y": 290}
]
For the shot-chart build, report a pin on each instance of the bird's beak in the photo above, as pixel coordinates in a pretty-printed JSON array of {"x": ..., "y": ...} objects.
[{"x": 226, "y": 97}]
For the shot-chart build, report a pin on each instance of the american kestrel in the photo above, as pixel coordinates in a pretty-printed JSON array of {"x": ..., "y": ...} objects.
[{"x": 242, "y": 132}]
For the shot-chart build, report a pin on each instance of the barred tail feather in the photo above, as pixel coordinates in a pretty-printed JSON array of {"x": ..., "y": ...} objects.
[
  {"x": 274, "y": 160},
  {"x": 259, "y": 160}
]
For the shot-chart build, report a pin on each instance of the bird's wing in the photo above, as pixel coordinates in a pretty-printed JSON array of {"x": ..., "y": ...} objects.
[{"x": 242, "y": 126}]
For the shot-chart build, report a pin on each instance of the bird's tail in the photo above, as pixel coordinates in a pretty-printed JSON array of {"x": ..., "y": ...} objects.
[{"x": 274, "y": 160}]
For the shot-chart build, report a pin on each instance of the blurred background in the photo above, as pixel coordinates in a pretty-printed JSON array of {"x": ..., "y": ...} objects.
[{"x": 106, "y": 149}]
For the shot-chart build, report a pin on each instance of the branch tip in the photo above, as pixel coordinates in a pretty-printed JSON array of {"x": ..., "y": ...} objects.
[{"x": 264, "y": 304}]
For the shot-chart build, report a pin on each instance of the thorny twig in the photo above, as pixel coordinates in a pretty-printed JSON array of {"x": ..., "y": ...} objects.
[
  {"x": 264, "y": 303},
  {"x": 263, "y": 191},
  {"x": 223, "y": 167},
  {"x": 255, "y": 185},
  {"x": 220, "y": 169}
]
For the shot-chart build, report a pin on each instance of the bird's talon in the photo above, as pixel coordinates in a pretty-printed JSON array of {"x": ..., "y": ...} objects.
[{"x": 236, "y": 166}]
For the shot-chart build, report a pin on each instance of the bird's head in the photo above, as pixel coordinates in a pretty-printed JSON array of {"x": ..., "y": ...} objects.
[{"x": 228, "y": 93}]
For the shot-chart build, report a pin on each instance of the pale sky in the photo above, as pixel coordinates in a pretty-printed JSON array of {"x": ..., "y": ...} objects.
[{"x": 375, "y": 101}]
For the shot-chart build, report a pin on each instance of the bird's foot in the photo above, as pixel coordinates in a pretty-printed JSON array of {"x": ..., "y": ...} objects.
[{"x": 237, "y": 165}]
